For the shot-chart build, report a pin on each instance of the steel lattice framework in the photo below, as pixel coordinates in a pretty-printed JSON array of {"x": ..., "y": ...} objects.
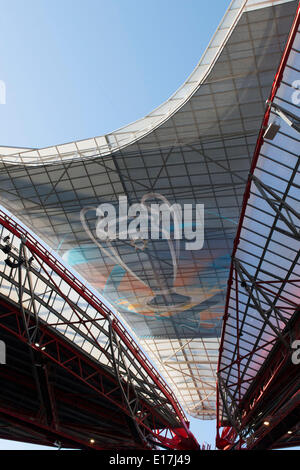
[
  {"x": 259, "y": 398},
  {"x": 64, "y": 325},
  {"x": 196, "y": 147}
]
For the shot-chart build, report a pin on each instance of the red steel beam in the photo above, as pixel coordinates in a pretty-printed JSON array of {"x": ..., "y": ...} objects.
[
  {"x": 112, "y": 420},
  {"x": 41, "y": 252},
  {"x": 36, "y": 427},
  {"x": 94, "y": 381}
]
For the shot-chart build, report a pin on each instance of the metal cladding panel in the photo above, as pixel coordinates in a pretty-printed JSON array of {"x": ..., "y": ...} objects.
[{"x": 194, "y": 149}]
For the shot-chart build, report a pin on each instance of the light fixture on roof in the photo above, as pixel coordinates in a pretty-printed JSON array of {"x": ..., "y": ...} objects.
[
  {"x": 290, "y": 432},
  {"x": 58, "y": 444},
  {"x": 267, "y": 423},
  {"x": 287, "y": 116},
  {"x": 92, "y": 441},
  {"x": 271, "y": 130}
]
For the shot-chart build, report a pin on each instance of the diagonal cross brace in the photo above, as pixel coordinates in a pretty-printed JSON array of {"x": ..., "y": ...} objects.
[
  {"x": 242, "y": 272},
  {"x": 277, "y": 204}
]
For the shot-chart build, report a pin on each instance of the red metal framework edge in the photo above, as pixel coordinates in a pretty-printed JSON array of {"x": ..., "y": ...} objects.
[
  {"x": 228, "y": 433},
  {"x": 182, "y": 436}
]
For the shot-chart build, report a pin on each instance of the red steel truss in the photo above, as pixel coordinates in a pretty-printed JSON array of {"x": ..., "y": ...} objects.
[
  {"x": 258, "y": 399},
  {"x": 73, "y": 338}
]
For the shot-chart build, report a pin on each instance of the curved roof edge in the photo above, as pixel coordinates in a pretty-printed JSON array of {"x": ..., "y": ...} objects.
[{"x": 129, "y": 134}]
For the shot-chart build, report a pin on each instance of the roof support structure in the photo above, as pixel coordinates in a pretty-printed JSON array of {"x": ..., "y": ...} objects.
[
  {"x": 258, "y": 382},
  {"x": 125, "y": 379}
]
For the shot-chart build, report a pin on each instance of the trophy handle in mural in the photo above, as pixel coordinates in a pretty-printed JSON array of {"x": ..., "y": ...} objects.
[{"x": 165, "y": 297}]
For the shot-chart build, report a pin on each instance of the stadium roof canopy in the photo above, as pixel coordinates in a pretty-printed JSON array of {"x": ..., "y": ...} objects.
[
  {"x": 258, "y": 381},
  {"x": 195, "y": 148}
]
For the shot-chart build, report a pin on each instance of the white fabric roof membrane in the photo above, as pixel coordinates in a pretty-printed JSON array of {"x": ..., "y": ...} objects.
[{"x": 195, "y": 148}]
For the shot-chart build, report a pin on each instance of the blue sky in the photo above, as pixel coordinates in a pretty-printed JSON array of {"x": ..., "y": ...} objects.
[
  {"x": 75, "y": 69},
  {"x": 79, "y": 68}
]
